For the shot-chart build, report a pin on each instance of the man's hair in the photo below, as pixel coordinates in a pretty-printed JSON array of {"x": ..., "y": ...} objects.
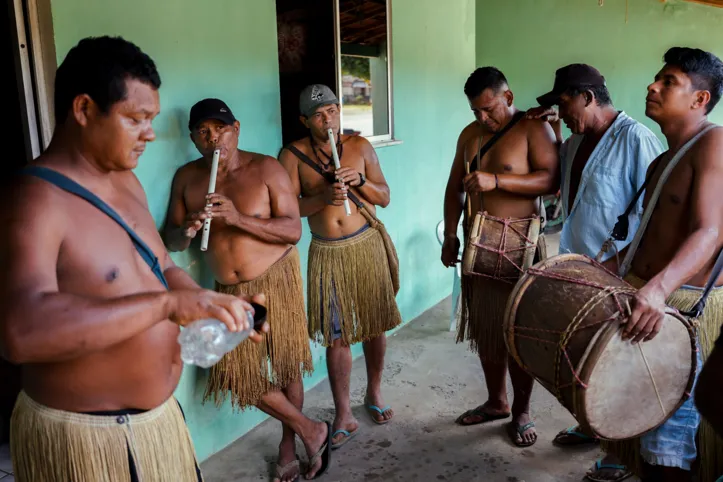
[
  {"x": 704, "y": 69},
  {"x": 482, "y": 79},
  {"x": 99, "y": 67},
  {"x": 601, "y": 93}
]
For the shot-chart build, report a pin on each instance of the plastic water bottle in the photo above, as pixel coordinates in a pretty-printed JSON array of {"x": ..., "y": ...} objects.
[{"x": 205, "y": 342}]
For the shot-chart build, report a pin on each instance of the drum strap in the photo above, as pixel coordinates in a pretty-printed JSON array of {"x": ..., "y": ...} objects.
[
  {"x": 485, "y": 148},
  {"x": 635, "y": 243}
]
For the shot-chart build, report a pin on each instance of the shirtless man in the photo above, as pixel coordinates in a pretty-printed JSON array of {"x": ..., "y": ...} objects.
[
  {"x": 252, "y": 247},
  {"x": 351, "y": 278},
  {"x": 603, "y": 165},
  {"x": 93, "y": 325},
  {"x": 522, "y": 166},
  {"x": 680, "y": 246}
]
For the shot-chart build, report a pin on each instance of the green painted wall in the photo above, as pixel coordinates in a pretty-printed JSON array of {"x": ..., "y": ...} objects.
[
  {"x": 529, "y": 39},
  {"x": 229, "y": 50}
]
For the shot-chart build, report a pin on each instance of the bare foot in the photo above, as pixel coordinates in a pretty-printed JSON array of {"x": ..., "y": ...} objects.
[
  {"x": 313, "y": 445},
  {"x": 522, "y": 430},
  {"x": 487, "y": 412},
  {"x": 375, "y": 400}
]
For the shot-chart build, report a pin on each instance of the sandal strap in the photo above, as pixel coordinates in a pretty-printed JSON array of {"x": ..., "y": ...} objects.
[{"x": 282, "y": 471}]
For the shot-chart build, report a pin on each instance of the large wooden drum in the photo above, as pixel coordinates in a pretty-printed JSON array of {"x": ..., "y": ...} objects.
[
  {"x": 563, "y": 326},
  {"x": 500, "y": 248}
]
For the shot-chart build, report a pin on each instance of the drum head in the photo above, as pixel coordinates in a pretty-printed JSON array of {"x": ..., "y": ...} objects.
[{"x": 633, "y": 389}]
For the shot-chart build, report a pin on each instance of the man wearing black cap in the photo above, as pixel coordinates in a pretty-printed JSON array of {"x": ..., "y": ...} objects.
[
  {"x": 353, "y": 268},
  {"x": 251, "y": 249},
  {"x": 603, "y": 164}
]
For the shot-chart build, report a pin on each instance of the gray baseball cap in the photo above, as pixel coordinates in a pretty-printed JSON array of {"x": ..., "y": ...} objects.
[{"x": 315, "y": 96}]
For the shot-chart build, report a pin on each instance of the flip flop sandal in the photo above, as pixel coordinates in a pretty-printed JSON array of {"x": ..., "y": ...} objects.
[
  {"x": 348, "y": 436},
  {"x": 324, "y": 454},
  {"x": 282, "y": 471},
  {"x": 516, "y": 434},
  {"x": 380, "y": 411},
  {"x": 600, "y": 466},
  {"x": 578, "y": 438},
  {"x": 480, "y": 413}
]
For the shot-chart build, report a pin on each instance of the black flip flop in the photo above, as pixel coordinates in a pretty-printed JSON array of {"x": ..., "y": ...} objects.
[
  {"x": 576, "y": 437},
  {"x": 481, "y": 413},
  {"x": 324, "y": 453}
]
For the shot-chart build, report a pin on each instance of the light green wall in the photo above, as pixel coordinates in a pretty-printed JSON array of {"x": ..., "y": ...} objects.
[
  {"x": 529, "y": 39},
  {"x": 229, "y": 50}
]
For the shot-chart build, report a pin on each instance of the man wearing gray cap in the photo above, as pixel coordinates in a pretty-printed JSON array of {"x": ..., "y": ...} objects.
[
  {"x": 251, "y": 249},
  {"x": 603, "y": 164},
  {"x": 353, "y": 267}
]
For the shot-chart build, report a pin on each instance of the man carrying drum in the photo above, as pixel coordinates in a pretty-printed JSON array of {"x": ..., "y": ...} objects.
[
  {"x": 603, "y": 164},
  {"x": 519, "y": 165},
  {"x": 673, "y": 254},
  {"x": 251, "y": 248}
]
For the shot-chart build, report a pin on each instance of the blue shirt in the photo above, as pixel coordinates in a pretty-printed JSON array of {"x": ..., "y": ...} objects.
[{"x": 613, "y": 174}]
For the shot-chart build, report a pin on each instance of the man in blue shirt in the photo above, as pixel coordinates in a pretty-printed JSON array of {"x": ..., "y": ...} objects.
[{"x": 603, "y": 164}]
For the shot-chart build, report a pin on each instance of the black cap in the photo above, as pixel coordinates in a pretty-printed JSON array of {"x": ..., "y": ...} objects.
[
  {"x": 571, "y": 76},
  {"x": 210, "y": 109}
]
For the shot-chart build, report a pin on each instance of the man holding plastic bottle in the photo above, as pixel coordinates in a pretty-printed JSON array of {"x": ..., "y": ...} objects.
[
  {"x": 90, "y": 307},
  {"x": 252, "y": 248}
]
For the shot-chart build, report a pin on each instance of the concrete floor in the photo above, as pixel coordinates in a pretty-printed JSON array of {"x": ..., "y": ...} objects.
[{"x": 429, "y": 380}]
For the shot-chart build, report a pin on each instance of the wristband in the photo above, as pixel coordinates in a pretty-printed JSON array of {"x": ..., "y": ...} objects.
[{"x": 362, "y": 179}]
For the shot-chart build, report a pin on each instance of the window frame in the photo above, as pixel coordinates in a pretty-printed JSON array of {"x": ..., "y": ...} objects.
[{"x": 385, "y": 139}]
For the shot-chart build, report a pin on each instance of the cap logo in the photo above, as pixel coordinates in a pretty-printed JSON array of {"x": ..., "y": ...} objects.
[
  {"x": 316, "y": 94},
  {"x": 223, "y": 110}
]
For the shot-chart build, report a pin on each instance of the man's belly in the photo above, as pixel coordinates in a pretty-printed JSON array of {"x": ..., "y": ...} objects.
[
  {"x": 140, "y": 373},
  {"x": 506, "y": 206},
  {"x": 333, "y": 223},
  {"x": 234, "y": 257}
]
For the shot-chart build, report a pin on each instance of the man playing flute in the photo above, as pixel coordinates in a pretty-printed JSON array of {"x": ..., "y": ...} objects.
[
  {"x": 353, "y": 269},
  {"x": 252, "y": 247}
]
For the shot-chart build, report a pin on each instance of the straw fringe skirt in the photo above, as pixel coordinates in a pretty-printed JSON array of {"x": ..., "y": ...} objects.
[
  {"x": 481, "y": 318},
  {"x": 51, "y": 445},
  {"x": 352, "y": 278},
  {"x": 251, "y": 371},
  {"x": 710, "y": 445}
]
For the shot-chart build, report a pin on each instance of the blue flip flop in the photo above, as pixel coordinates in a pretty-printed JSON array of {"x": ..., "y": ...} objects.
[
  {"x": 600, "y": 466},
  {"x": 348, "y": 435},
  {"x": 579, "y": 438},
  {"x": 380, "y": 411}
]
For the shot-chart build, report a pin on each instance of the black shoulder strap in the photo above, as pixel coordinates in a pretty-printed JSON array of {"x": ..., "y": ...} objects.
[
  {"x": 473, "y": 166},
  {"x": 328, "y": 176},
  {"x": 699, "y": 307},
  {"x": 622, "y": 226},
  {"x": 490, "y": 144},
  {"x": 73, "y": 187}
]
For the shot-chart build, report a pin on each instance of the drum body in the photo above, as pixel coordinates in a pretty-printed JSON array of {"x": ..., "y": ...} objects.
[
  {"x": 500, "y": 249},
  {"x": 563, "y": 326}
]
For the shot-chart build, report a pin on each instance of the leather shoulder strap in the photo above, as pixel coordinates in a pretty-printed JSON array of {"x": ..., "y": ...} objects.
[{"x": 67, "y": 184}]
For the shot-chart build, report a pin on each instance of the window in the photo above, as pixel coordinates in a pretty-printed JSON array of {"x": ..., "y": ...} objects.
[
  {"x": 363, "y": 49},
  {"x": 344, "y": 44}
]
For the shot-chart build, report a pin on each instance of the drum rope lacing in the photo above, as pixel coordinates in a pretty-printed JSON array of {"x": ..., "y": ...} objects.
[
  {"x": 574, "y": 326},
  {"x": 502, "y": 251}
]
